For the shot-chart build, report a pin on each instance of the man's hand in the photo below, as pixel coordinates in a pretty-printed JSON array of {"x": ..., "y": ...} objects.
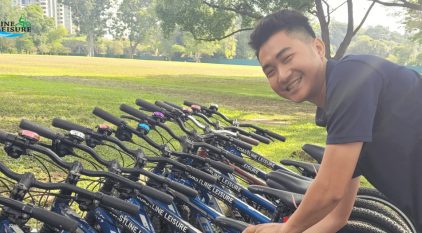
[{"x": 265, "y": 228}]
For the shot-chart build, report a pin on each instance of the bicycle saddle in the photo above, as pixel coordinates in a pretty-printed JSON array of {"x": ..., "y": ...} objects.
[
  {"x": 290, "y": 199},
  {"x": 291, "y": 183},
  {"x": 314, "y": 151}
]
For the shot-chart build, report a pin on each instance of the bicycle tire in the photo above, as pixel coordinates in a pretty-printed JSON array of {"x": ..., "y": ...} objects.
[
  {"x": 376, "y": 219},
  {"x": 361, "y": 227},
  {"x": 371, "y": 192},
  {"x": 393, "y": 207},
  {"x": 382, "y": 209}
]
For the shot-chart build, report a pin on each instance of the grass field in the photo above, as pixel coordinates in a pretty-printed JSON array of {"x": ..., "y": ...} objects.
[{"x": 40, "y": 88}]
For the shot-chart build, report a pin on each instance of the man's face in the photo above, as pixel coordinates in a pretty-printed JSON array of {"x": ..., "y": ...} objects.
[{"x": 294, "y": 65}]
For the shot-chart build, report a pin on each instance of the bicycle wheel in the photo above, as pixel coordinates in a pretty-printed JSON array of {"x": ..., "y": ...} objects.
[
  {"x": 361, "y": 227},
  {"x": 384, "y": 210},
  {"x": 376, "y": 219},
  {"x": 391, "y": 206},
  {"x": 371, "y": 192}
]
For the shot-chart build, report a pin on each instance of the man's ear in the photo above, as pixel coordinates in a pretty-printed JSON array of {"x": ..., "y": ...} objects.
[{"x": 320, "y": 47}]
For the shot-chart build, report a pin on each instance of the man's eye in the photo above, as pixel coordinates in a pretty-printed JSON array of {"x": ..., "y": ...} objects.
[
  {"x": 270, "y": 73},
  {"x": 287, "y": 59}
]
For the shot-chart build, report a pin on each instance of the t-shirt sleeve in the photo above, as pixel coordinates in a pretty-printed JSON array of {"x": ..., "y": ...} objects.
[{"x": 351, "y": 103}]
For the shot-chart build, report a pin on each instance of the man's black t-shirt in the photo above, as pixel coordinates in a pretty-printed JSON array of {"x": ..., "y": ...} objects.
[{"x": 377, "y": 102}]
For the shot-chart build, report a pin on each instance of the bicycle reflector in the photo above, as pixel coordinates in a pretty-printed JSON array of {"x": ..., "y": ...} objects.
[
  {"x": 158, "y": 116},
  {"x": 144, "y": 128},
  {"x": 187, "y": 110},
  {"x": 32, "y": 136},
  {"x": 104, "y": 129},
  {"x": 196, "y": 107}
]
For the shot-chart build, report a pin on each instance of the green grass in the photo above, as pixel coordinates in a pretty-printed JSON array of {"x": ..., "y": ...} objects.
[{"x": 40, "y": 88}]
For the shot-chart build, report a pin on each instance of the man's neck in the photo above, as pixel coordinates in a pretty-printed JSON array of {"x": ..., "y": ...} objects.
[{"x": 319, "y": 98}]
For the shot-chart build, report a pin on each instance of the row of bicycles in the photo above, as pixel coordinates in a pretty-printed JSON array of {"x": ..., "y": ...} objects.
[{"x": 162, "y": 167}]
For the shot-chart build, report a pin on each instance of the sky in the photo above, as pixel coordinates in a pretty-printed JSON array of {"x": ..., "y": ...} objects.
[{"x": 379, "y": 15}]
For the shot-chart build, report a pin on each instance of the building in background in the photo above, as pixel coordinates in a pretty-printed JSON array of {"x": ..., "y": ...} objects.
[{"x": 62, "y": 14}]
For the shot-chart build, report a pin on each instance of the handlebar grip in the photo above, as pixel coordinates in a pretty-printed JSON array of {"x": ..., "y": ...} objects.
[
  {"x": 156, "y": 194},
  {"x": 107, "y": 116},
  {"x": 173, "y": 105},
  {"x": 135, "y": 112},
  {"x": 183, "y": 189},
  {"x": 119, "y": 204},
  {"x": 260, "y": 138},
  {"x": 275, "y": 135},
  {"x": 241, "y": 143},
  {"x": 67, "y": 125},
  {"x": 189, "y": 103},
  {"x": 165, "y": 106},
  {"x": 3, "y": 136},
  {"x": 148, "y": 106},
  {"x": 221, "y": 166},
  {"x": 54, "y": 219},
  {"x": 174, "y": 185},
  {"x": 43, "y": 131},
  {"x": 202, "y": 175},
  {"x": 247, "y": 139},
  {"x": 233, "y": 158}
]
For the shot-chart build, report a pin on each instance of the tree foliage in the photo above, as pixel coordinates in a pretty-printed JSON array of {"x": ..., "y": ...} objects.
[
  {"x": 135, "y": 21},
  {"x": 218, "y": 19},
  {"x": 413, "y": 24},
  {"x": 91, "y": 17}
]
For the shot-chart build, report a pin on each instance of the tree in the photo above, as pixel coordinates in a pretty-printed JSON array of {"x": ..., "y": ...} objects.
[
  {"x": 212, "y": 20},
  {"x": 196, "y": 49},
  {"x": 41, "y": 25},
  {"x": 413, "y": 18},
  {"x": 91, "y": 18},
  {"x": 76, "y": 45},
  {"x": 115, "y": 48},
  {"x": 411, "y": 5},
  {"x": 243, "y": 50},
  {"x": 413, "y": 25},
  {"x": 54, "y": 40},
  {"x": 7, "y": 11},
  {"x": 366, "y": 44},
  {"x": 134, "y": 21},
  {"x": 24, "y": 44}
]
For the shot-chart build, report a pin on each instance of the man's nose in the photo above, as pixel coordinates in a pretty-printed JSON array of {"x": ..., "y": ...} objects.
[{"x": 283, "y": 75}]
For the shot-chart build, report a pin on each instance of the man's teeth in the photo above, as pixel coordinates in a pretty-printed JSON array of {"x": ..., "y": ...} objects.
[{"x": 293, "y": 84}]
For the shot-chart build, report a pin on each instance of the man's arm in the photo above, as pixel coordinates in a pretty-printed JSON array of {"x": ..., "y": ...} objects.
[
  {"x": 337, "y": 218},
  {"x": 330, "y": 197},
  {"x": 330, "y": 186}
]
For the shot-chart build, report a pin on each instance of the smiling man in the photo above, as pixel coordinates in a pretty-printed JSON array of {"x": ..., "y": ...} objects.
[{"x": 372, "y": 110}]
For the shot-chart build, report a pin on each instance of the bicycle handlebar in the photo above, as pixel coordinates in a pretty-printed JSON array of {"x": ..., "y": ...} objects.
[
  {"x": 42, "y": 131},
  {"x": 107, "y": 116},
  {"x": 148, "y": 106},
  {"x": 66, "y": 125},
  {"x": 41, "y": 214}
]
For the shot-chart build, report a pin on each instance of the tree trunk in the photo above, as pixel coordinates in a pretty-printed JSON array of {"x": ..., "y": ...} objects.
[
  {"x": 132, "y": 49},
  {"x": 349, "y": 33},
  {"x": 197, "y": 57},
  {"x": 90, "y": 40},
  {"x": 325, "y": 31}
]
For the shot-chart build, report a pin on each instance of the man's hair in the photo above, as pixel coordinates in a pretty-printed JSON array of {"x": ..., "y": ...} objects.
[{"x": 289, "y": 20}]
